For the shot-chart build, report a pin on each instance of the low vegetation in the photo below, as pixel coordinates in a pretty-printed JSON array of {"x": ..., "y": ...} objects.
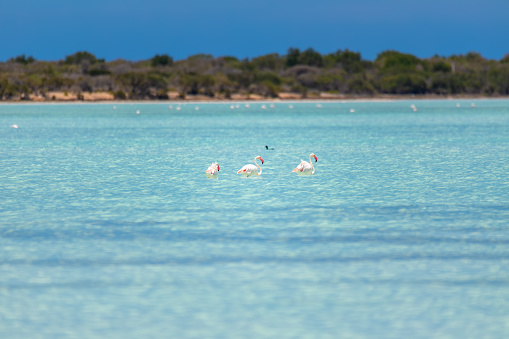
[{"x": 304, "y": 73}]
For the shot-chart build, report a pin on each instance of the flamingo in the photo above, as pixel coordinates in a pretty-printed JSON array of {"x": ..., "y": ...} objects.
[
  {"x": 212, "y": 171},
  {"x": 306, "y": 168},
  {"x": 250, "y": 169}
]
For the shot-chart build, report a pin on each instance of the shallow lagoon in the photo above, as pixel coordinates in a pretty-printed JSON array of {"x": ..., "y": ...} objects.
[{"x": 109, "y": 227}]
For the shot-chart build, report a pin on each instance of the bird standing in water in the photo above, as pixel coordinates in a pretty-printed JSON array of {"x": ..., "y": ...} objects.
[
  {"x": 250, "y": 169},
  {"x": 306, "y": 168},
  {"x": 213, "y": 171}
]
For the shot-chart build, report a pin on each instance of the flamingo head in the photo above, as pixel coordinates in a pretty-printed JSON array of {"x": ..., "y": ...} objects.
[
  {"x": 260, "y": 158},
  {"x": 314, "y": 156},
  {"x": 218, "y": 167}
]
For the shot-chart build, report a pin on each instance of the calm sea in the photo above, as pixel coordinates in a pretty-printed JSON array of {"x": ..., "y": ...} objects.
[{"x": 109, "y": 227}]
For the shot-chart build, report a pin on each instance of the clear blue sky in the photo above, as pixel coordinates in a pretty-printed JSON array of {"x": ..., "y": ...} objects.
[{"x": 139, "y": 29}]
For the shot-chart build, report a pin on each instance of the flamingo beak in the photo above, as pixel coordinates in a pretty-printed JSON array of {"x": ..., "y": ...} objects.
[
  {"x": 316, "y": 159},
  {"x": 295, "y": 169},
  {"x": 261, "y": 160}
]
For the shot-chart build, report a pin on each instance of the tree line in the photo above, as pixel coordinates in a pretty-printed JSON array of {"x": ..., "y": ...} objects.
[{"x": 303, "y": 72}]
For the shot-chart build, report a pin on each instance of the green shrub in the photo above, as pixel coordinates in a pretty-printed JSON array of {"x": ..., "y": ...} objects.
[
  {"x": 120, "y": 95},
  {"x": 97, "y": 72},
  {"x": 403, "y": 84},
  {"x": 161, "y": 60},
  {"x": 22, "y": 59},
  {"x": 79, "y": 57},
  {"x": 441, "y": 66}
]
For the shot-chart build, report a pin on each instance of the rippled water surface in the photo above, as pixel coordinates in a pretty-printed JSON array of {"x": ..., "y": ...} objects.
[{"x": 109, "y": 227}]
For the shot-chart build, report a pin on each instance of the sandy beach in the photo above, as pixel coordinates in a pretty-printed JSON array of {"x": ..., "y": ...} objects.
[{"x": 284, "y": 96}]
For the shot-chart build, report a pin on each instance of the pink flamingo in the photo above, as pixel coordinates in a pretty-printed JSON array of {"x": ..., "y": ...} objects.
[
  {"x": 212, "y": 171},
  {"x": 250, "y": 169},
  {"x": 306, "y": 168}
]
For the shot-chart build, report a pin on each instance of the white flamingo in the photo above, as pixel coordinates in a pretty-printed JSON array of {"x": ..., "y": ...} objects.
[
  {"x": 213, "y": 171},
  {"x": 306, "y": 168},
  {"x": 250, "y": 169}
]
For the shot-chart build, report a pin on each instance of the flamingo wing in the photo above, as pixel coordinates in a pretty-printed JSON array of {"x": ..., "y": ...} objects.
[
  {"x": 248, "y": 170},
  {"x": 300, "y": 167},
  {"x": 304, "y": 168},
  {"x": 307, "y": 166}
]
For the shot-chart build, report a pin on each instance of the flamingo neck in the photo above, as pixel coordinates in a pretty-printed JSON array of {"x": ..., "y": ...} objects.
[
  {"x": 311, "y": 163},
  {"x": 259, "y": 173}
]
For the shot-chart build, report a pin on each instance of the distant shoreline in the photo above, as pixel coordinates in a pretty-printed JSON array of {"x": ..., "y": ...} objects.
[
  {"x": 105, "y": 97},
  {"x": 298, "y": 75}
]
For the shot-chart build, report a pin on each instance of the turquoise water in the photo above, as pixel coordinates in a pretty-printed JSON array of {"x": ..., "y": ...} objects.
[{"x": 109, "y": 227}]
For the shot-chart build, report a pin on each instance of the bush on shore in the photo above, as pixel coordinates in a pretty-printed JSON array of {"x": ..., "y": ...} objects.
[{"x": 343, "y": 72}]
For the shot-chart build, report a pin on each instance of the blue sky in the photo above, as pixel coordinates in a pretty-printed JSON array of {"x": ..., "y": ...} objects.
[{"x": 136, "y": 30}]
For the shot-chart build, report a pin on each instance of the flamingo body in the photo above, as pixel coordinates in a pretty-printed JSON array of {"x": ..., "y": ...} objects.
[
  {"x": 250, "y": 169},
  {"x": 213, "y": 171},
  {"x": 306, "y": 168}
]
